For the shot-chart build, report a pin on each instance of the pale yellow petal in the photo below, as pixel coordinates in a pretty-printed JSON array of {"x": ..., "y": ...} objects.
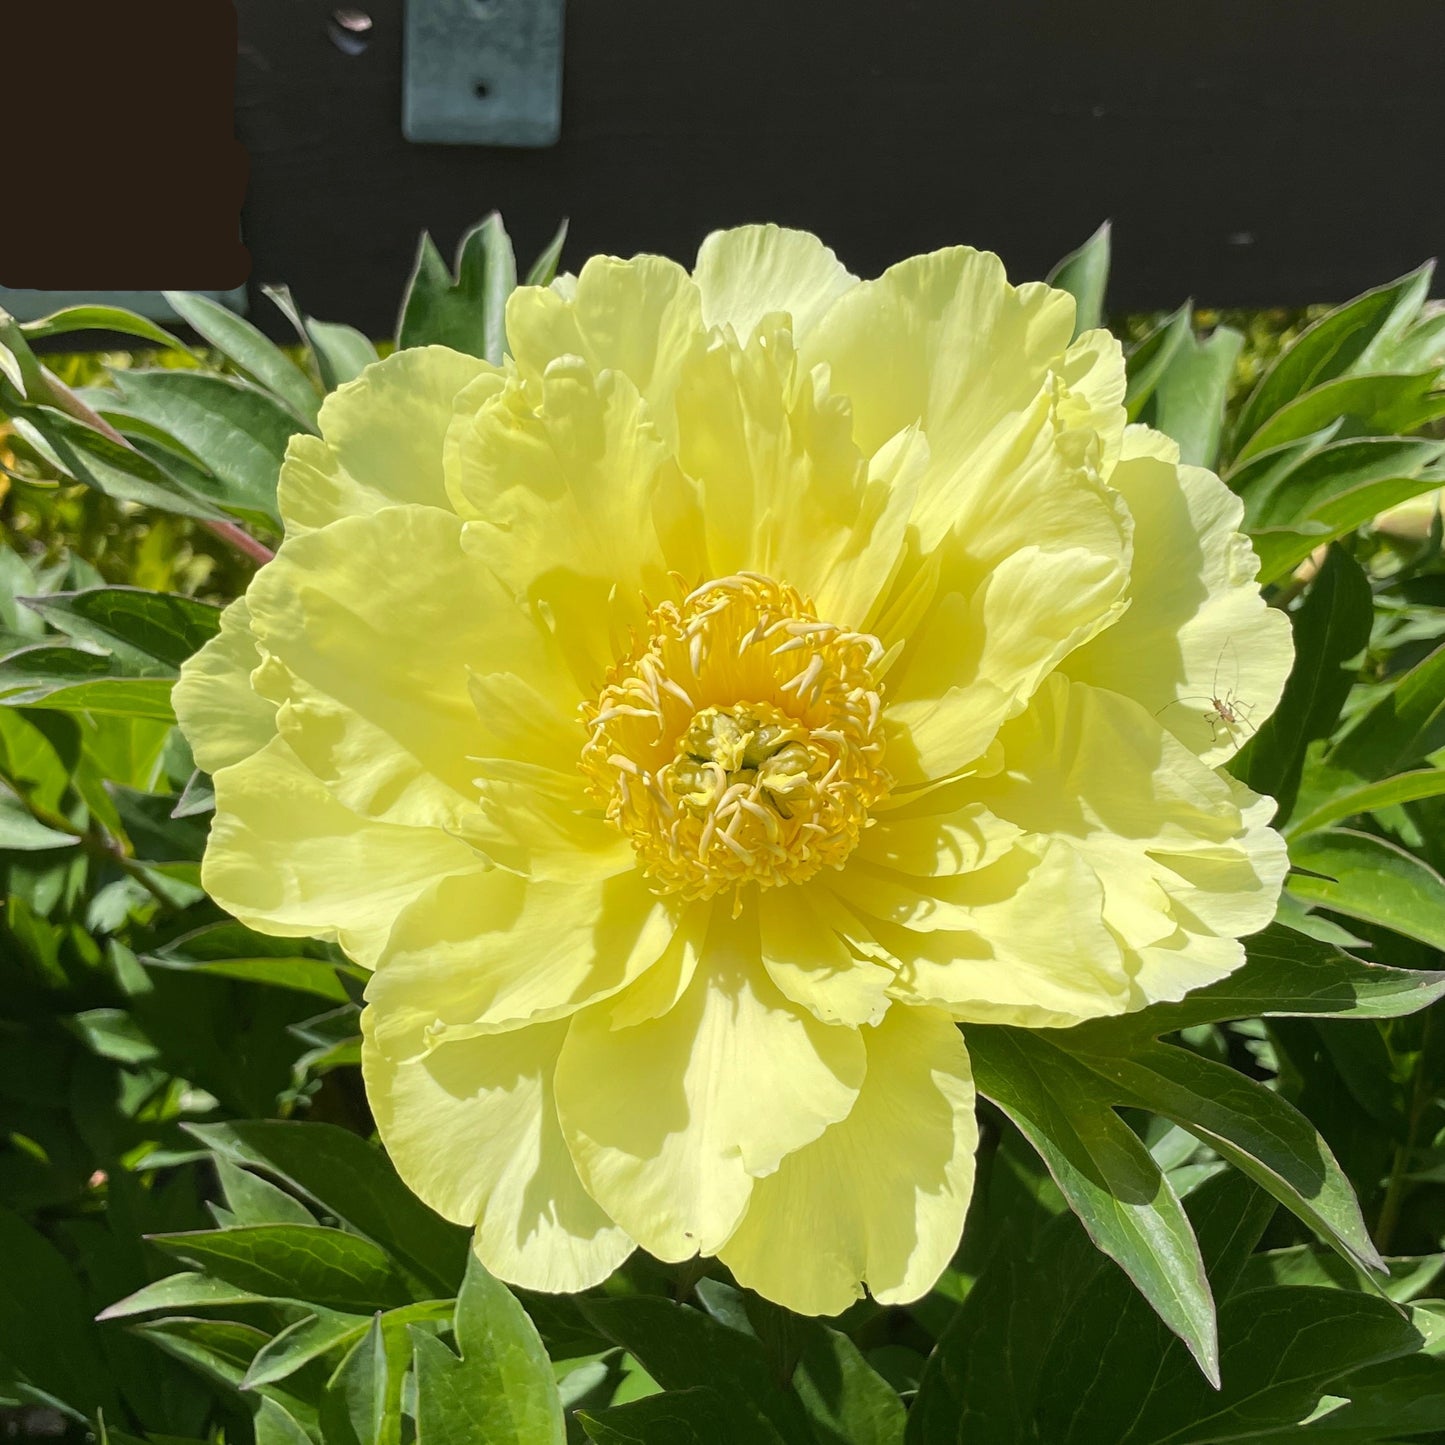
[
  {"x": 812, "y": 964},
  {"x": 1175, "y": 846},
  {"x": 383, "y": 436},
  {"x": 285, "y": 857},
  {"x": 472, "y": 1128},
  {"x": 1022, "y": 941},
  {"x": 672, "y": 1120},
  {"x": 372, "y": 656},
  {"x": 223, "y": 717},
  {"x": 945, "y": 340},
  {"x": 638, "y": 317},
  {"x": 579, "y": 507},
  {"x": 487, "y": 950},
  {"x": 784, "y": 491},
  {"x": 880, "y": 1199},
  {"x": 750, "y": 272},
  {"x": 1197, "y": 632}
]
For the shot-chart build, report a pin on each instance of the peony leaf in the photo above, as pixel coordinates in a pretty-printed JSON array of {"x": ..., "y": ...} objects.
[
  {"x": 1248, "y": 1125},
  {"x": 1355, "y": 336},
  {"x": 275, "y": 1425},
  {"x": 1404, "y": 726},
  {"x": 1369, "y": 798},
  {"x": 1370, "y": 879},
  {"x": 294, "y": 1261},
  {"x": 307, "y": 1339},
  {"x": 353, "y": 1180},
  {"x": 1189, "y": 397},
  {"x": 142, "y": 628},
  {"x": 696, "y": 1416},
  {"x": 252, "y": 353},
  {"x": 233, "y": 428},
  {"x": 183, "y": 1291},
  {"x": 502, "y": 1389},
  {"x": 684, "y": 1349},
  {"x": 1151, "y": 357},
  {"x": 1105, "y": 1173},
  {"x": 1084, "y": 274},
  {"x": 1331, "y": 626},
  {"x": 467, "y": 311}
]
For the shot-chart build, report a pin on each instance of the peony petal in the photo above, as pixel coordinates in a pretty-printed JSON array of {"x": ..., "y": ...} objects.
[
  {"x": 1174, "y": 845},
  {"x": 670, "y": 1121},
  {"x": 881, "y": 1197},
  {"x": 579, "y": 508},
  {"x": 223, "y": 717},
  {"x": 812, "y": 964},
  {"x": 383, "y": 437},
  {"x": 942, "y": 339},
  {"x": 639, "y": 317},
  {"x": 750, "y": 272},
  {"x": 486, "y": 950},
  {"x": 1197, "y": 628},
  {"x": 472, "y": 1128},
  {"x": 1022, "y": 941},
  {"x": 285, "y": 857},
  {"x": 784, "y": 492},
  {"x": 387, "y": 723}
]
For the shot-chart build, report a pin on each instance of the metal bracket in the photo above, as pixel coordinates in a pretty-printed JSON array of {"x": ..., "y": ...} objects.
[{"x": 483, "y": 72}]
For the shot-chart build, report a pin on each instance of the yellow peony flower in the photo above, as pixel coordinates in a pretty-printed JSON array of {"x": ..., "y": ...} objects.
[{"x": 695, "y": 718}]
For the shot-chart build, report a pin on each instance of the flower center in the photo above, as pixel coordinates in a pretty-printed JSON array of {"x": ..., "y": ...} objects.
[{"x": 741, "y": 742}]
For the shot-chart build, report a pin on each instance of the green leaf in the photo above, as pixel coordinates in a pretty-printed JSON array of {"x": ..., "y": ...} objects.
[
  {"x": 1286, "y": 497},
  {"x": 142, "y": 627},
  {"x": 72, "y": 680},
  {"x": 309, "y": 1338},
  {"x": 235, "y": 429},
  {"x": 221, "y": 1349},
  {"x": 467, "y": 311},
  {"x": 229, "y": 950},
  {"x": 179, "y": 1292},
  {"x": 1190, "y": 394},
  {"x": 352, "y": 1180},
  {"x": 1150, "y": 358},
  {"x": 1352, "y": 337},
  {"x": 696, "y": 1416},
  {"x": 101, "y": 318},
  {"x": 543, "y": 270},
  {"x": 502, "y": 1389},
  {"x": 1084, "y": 274},
  {"x": 342, "y": 352},
  {"x": 1106, "y": 1174},
  {"x": 253, "y": 1200},
  {"x": 20, "y": 832},
  {"x": 682, "y": 1349},
  {"x": 1370, "y": 798},
  {"x": 1051, "y": 1326},
  {"x": 1410, "y": 1275},
  {"x": 116, "y": 470},
  {"x": 18, "y": 363},
  {"x": 845, "y": 1397},
  {"x": 1388, "y": 1401},
  {"x": 1383, "y": 405},
  {"x": 1405, "y": 725},
  {"x": 361, "y": 1405},
  {"x": 1371, "y": 879},
  {"x": 1283, "y": 1350},
  {"x": 1331, "y": 628},
  {"x": 46, "y": 1337},
  {"x": 1285, "y": 976},
  {"x": 275, "y": 1425},
  {"x": 251, "y": 352},
  {"x": 39, "y": 752},
  {"x": 1249, "y": 1126},
  {"x": 294, "y": 1261}
]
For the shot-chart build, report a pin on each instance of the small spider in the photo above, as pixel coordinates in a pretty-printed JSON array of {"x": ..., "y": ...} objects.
[{"x": 1224, "y": 709}]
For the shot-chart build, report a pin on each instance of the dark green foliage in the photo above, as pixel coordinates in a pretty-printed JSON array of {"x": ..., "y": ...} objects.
[{"x": 1180, "y": 1214}]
